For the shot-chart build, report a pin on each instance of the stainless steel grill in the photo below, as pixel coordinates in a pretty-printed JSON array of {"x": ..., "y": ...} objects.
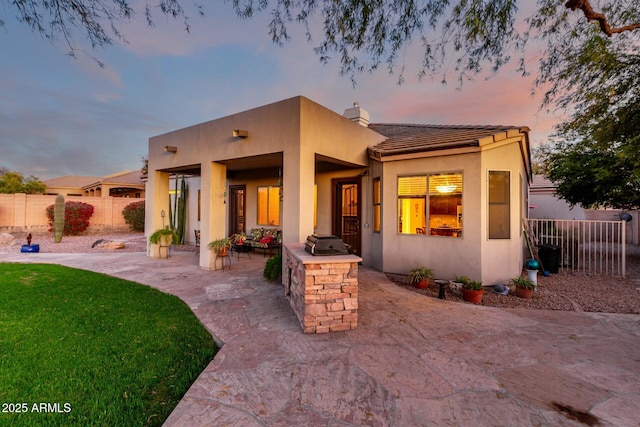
[{"x": 325, "y": 245}]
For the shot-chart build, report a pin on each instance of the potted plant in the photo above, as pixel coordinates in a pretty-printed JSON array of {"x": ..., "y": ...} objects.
[
  {"x": 419, "y": 277},
  {"x": 220, "y": 246},
  {"x": 472, "y": 291},
  {"x": 161, "y": 238},
  {"x": 457, "y": 283},
  {"x": 524, "y": 286}
]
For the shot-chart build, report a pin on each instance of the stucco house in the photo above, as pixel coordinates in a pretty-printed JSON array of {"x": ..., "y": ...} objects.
[
  {"x": 451, "y": 198},
  {"x": 120, "y": 184}
]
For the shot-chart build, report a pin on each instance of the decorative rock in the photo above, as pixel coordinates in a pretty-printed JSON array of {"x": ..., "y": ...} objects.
[
  {"x": 107, "y": 244},
  {"x": 7, "y": 239}
]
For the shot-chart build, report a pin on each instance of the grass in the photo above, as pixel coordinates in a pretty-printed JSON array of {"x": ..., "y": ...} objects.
[{"x": 79, "y": 348}]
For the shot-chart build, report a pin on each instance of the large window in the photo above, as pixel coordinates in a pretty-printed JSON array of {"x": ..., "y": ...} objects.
[
  {"x": 430, "y": 204},
  {"x": 377, "y": 199},
  {"x": 269, "y": 206},
  {"x": 499, "y": 205}
]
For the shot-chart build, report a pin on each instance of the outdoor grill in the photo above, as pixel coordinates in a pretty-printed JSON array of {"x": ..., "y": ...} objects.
[{"x": 325, "y": 245}]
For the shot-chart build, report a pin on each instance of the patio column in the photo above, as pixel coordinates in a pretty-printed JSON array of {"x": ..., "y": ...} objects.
[
  {"x": 156, "y": 200},
  {"x": 297, "y": 204},
  {"x": 213, "y": 209}
]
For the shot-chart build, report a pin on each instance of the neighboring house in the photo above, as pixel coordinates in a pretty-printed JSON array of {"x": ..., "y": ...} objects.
[
  {"x": 544, "y": 203},
  {"x": 68, "y": 185},
  {"x": 121, "y": 184},
  {"x": 448, "y": 197}
]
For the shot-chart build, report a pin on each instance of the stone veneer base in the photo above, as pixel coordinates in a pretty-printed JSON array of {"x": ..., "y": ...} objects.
[{"x": 322, "y": 290}]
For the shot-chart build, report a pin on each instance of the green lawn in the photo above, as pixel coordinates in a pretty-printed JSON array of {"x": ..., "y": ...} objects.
[{"x": 81, "y": 348}]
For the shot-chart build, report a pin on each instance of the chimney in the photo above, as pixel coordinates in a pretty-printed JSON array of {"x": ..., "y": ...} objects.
[{"x": 357, "y": 115}]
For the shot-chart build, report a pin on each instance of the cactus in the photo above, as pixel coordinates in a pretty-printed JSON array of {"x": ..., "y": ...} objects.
[
  {"x": 182, "y": 210},
  {"x": 178, "y": 212},
  {"x": 58, "y": 218}
]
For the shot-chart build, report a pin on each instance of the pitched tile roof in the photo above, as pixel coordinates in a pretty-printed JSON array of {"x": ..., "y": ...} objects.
[
  {"x": 415, "y": 138},
  {"x": 541, "y": 184},
  {"x": 124, "y": 178},
  {"x": 72, "y": 181}
]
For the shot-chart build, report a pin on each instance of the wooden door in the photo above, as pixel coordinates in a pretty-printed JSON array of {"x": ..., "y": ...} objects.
[
  {"x": 346, "y": 212},
  {"x": 237, "y": 220}
]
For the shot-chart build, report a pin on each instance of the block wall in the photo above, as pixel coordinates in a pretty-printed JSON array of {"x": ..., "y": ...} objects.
[{"x": 324, "y": 296}]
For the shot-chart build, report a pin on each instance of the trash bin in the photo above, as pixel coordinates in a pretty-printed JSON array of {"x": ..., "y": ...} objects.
[{"x": 550, "y": 257}]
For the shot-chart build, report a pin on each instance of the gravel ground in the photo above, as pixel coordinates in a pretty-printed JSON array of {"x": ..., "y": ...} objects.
[
  {"x": 562, "y": 291},
  {"x": 134, "y": 242}
]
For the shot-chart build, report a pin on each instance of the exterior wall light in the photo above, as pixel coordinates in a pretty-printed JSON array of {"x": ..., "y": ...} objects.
[
  {"x": 240, "y": 133},
  {"x": 170, "y": 149}
]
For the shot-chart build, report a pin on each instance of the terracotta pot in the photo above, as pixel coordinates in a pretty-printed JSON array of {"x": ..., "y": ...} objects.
[
  {"x": 472, "y": 296},
  {"x": 422, "y": 284},
  {"x": 223, "y": 252},
  {"x": 524, "y": 292}
]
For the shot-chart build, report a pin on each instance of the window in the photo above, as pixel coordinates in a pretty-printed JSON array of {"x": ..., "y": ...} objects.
[
  {"x": 430, "y": 204},
  {"x": 499, "y": 205},
  {"x": 376, "y": 205},
  {"x": 412, "y": 199},
  {"x": 269, "y": 205}
]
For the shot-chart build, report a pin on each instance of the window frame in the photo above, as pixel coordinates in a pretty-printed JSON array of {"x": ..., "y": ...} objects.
[
  {"x": 271, "y": 222},
  {"x": 377, "y": 204},
  {"x": 494, "y": 232},
  {"x": 426, "y": 200}
]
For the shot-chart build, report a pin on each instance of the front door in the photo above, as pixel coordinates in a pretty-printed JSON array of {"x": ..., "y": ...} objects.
[
  {"x": 237, "y": 209},
  {"x": 346, "y": 212}
]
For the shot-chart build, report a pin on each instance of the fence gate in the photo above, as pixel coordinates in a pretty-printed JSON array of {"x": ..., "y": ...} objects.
[{"x": 583, "y": 246}]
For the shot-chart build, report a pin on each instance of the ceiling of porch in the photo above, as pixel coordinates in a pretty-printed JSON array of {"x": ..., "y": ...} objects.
[{"x": 266, "y": 165}]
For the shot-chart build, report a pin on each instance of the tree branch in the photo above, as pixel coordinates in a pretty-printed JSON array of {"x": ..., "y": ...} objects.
[{"x": 591, "y": 14}]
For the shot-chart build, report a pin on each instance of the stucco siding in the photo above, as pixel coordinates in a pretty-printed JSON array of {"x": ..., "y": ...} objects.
[
  {"x": 503, "y": 259},
  {"x": 402, "y": 252}
]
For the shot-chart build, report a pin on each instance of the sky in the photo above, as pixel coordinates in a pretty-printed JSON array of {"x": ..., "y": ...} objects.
[{"x": 67, "y": 116}]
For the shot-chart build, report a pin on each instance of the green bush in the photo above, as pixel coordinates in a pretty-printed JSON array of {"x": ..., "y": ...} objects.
[
  {"x": 76, "y": 217},
  {"x": 133, "y": 215},
  {"x": 273, "y": 268}
]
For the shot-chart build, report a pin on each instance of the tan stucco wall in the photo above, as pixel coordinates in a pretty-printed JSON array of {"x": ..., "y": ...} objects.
[
  {"x": 473, "y": 254},
  {"x": 503, "y": 259},
  {"x": 299, "y": 131},
  {"x": 402, "y": 252},
  {"x": 297, "y": 127},
  {"x": 547, "y": 205},
  {"x": 22, "y": 212}
]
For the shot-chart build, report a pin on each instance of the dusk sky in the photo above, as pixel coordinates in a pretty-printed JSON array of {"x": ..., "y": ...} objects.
[{"x": 64, "y": 116}]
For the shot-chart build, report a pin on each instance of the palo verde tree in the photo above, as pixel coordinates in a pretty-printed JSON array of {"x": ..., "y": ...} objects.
[
  {"x": 589, "y": 66},
  {"x": 362, "y": 34}
]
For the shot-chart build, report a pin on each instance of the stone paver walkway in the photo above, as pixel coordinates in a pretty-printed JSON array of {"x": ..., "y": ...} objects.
[{"x": 412, "y": 361}]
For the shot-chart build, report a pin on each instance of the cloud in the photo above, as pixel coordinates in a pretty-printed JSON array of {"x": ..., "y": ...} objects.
[{"x": 62, "y": 116}]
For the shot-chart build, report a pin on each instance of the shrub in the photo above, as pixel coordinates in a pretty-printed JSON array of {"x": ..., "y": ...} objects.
[
  {"x": 133, "y": 215},
  {"x": 273, "y": 268},
  {"x": 76, "y": 217}
]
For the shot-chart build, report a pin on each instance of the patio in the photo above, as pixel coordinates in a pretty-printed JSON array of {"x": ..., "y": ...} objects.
[{"x": 410, "y": 361}]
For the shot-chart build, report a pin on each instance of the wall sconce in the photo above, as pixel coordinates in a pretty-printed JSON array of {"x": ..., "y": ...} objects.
[
  {"x": 170, "y": 149},
  {"x": 240, "y": 133}
]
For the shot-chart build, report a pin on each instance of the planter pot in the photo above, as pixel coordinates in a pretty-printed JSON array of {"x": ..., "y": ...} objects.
[
  {"x": 524, "y": 292},
  {"x": 455, "y": 287},
  {"x": 223, "y": 252},
  {"x": 472, "y": 296},
  {"x": 422, "y": 284},
  {"x": 30, "y": 248},
  {"x": 161, "y": 249}
]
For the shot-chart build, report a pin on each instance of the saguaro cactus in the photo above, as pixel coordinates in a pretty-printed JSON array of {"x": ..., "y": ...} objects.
[{"x": 58, "y": 218}]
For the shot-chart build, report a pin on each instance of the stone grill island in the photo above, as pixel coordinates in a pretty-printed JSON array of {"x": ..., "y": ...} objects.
[{"x": 322, "y": 290}]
